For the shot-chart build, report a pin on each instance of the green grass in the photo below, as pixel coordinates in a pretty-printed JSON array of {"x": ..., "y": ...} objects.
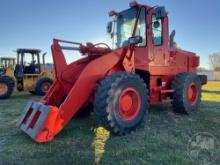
[{"x": 162, "y": 139}]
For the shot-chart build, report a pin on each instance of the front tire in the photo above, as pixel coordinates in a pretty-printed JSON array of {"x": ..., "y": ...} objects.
[
  {"x": 121, "y": 102},
  {"x": 43, "y": 85},
  {"x": 187, "y": 95},
  {"x": 6, "y": 87}
]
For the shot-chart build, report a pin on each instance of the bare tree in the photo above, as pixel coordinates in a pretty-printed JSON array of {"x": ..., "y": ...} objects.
[{"x": 214, "y": 60}]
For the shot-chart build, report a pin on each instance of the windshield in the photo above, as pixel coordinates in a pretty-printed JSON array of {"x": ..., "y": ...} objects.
[{"x": 124, "y": 26}]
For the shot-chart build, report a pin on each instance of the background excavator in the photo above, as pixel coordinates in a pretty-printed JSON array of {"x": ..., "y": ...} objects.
[
  {"x": 28, "y": 74},
  {"x": 142, "y": 68}
]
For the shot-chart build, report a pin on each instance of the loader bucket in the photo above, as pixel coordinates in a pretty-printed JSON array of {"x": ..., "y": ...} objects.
[{"x": 37, "y": 120}]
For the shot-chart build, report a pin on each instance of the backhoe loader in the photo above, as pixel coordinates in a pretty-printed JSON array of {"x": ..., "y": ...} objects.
[{"x": 29, "y": 74}]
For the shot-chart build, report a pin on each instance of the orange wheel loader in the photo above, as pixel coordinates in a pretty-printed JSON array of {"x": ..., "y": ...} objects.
[{"x": 143, "y": 68}]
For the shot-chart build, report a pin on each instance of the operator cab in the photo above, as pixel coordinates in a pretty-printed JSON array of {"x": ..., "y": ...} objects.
[
  {"x": 6, "y": 62},
  {"x": 122, "y": 28},
  {"x": 28, "y": 62},
  {"x": 147, "y": 29},
  {"x": 136, "y": 22}
]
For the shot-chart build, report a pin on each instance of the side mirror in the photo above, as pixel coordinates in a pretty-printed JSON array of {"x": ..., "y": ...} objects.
[
  {"x": 135, "y": 40},
  {"x": 160, "y": 12},
  {"x": 109, "y": 27},
  {"x": 156, "y": 24}
]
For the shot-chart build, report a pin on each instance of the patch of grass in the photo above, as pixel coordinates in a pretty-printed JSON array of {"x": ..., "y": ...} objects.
[
  {"x": 211, "y": 91},
  {"x": 212, "y": 86},
  {"x": 162, "y": 139}
]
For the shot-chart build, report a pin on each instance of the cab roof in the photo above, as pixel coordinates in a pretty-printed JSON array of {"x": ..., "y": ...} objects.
[
  {"x": 25, "y": 50},
  {"x": 5, "y": 57}
]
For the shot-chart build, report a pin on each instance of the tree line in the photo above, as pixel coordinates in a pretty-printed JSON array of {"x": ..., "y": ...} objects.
[{"x": 214, "y": 60}]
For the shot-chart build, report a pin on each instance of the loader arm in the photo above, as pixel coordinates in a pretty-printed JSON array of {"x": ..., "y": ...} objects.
[
  {"x": 58, "y": 58},
  {"x": 45, "y": 119},
  {"x": 84, "y": 87}
]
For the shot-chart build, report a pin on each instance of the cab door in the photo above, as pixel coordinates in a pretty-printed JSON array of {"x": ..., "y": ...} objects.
[{"x": 157, "y": 41}]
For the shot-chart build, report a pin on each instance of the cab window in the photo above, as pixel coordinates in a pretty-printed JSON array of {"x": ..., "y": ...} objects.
[
  {"x": 157, "y": 31},
  {"x": 124, "y": 26},
  {"x": 31, "y": 64},
  {"x": 141, "y": 28}
]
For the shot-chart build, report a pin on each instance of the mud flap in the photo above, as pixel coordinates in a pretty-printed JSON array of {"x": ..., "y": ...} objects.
[{"x": 33, "y": 120}]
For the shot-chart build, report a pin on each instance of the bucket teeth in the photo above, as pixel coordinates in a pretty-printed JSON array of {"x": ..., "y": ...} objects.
[{"x": 32, "y": 118}]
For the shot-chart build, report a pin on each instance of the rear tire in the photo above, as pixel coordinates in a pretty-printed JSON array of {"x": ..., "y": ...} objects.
[
  {"x": 6, "y": 87},
  {"x": 121, "y": 102},
  {"x": 43, "y": 85},
  {"x": 187, "y": 95}
]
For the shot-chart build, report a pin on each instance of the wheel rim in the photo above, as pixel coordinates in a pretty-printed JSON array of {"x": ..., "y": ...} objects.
[
  {"x": 45, "y": 86},
  {"x": 3, "y": 88},
  {"x": 129, "y": 103},
  {"x": 192, "y": 93}
]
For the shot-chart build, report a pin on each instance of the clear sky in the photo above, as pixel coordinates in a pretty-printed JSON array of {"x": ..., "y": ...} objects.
[{"x": 34, "y": 23}]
